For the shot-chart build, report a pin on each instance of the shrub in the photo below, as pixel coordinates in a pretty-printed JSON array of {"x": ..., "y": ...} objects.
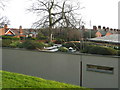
[
  {"x": 94, "y": 49},
  {"x": 10, "y": 37},
  {"x": 30, "y": 38},
  {"x": 30, "y": 44},
  {"x": 59, "y": 41},
  {"x": 40, "y": 45},
  {"x": 50, "y": 43},
  {"x": 6, "y": 42},
  {"x": 63, "y": 49},
  {"x": 118, "y": 52},
  {"x": 16, "y": 44},
  {"x": 22, "y": 38}
]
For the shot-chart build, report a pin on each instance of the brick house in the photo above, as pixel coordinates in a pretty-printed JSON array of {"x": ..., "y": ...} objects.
[
  {"x": 106, "y": 31},
  {"x": 100, "y": 32},
  {"x": 17, "y": 32}
]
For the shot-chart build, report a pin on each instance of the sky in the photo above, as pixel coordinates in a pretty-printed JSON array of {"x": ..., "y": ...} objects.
[{"x": 98, "y": 12}]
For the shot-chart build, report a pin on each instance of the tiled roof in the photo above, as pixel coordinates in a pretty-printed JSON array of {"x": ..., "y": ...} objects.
[
  {"x": 17, "y": 32},
  {"x": 103, "y": 32},
  {"x": 114, "y": 38}
]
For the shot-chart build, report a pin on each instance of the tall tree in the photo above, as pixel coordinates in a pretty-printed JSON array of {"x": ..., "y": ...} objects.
[
  {"x": 3, "y": 19},
  {"x": 55, "y": 14}
]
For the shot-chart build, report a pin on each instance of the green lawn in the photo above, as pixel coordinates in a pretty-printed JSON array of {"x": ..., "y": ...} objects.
[{"x": 15, "y": 80}]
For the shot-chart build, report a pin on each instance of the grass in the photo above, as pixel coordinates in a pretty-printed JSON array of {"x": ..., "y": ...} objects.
[{"x": 15, "y": 80}]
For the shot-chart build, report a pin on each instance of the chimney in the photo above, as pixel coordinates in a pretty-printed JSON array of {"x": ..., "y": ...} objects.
[
  {"x": 20, "y": 30},
  {"x": 4, "y": 29},
  {"x": 94, "y": 28},
  {"x": 104, "y": 28},
  {"x": 115, "y": 30},
  {"x": 5, "y": 26},
  {"x": 111, "y": 29},
  {"x": 107, "y": 29},
  {"x": 99, "y": 27}
]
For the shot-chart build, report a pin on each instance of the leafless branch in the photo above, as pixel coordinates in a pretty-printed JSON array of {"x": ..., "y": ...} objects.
[{"x": 56, "y": 14}]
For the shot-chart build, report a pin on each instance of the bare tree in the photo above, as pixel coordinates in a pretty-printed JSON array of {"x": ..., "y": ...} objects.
[
  {"x": 2, "y": 4},
  {"x": 3, "y": 19},
  {"x": 53, "y": 14}
]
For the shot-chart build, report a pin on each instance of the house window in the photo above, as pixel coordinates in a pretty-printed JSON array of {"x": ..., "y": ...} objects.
[{"x": 102, "y": 69}]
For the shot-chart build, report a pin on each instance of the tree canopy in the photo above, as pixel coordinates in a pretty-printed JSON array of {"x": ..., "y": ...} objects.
[{"x": 56, "y": 13}]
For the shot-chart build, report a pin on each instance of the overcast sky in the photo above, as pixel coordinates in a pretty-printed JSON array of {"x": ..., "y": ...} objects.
[{"x": 99, "y": 12}]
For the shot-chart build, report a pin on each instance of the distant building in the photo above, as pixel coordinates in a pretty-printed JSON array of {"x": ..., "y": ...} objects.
[
  {"x": 114, "y": 38},
  {"x": 17, "y": 32},
  {"x": 100, "y": 32}
]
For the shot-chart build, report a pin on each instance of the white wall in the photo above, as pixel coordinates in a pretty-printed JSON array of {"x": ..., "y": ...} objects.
[{"x": 97, "y": 79}]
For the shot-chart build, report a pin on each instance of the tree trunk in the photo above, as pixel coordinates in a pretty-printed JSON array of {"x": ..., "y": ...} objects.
[{"x": 50, "y": 34}]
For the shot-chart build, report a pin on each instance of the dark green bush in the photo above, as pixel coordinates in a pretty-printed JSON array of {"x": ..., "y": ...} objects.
[
  {"x": 102, "y": 50},
  {"x": 6, "y": 42},
  {"x": 59, "y": 41},
  {"x": 15, "y": 38},
  {"x": 30, "y": 38},
  {"x": 10, "y": 37},
  {"x": 40, "y": 45},
  {"x": 16, "y": 44},
  {"x": 22, "y": 38},
  {"x": 30, "y": 44},
  {"x": 50, "y": 43},
  {"x": 63, "y": 49},
  {"x": 118, "y": 52}
]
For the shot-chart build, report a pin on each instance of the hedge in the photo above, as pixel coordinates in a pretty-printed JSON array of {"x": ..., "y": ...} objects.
[
  {"x": 102, "y": 50},
  {"x": 118, "y": 52},
  {"x": 6, "y": 42},
  {"x": 16, "y": 44},
  {"x": 10, "y": 37},
  {"x": 63, "y": 49},
  {"x": 30, "y": 44}
]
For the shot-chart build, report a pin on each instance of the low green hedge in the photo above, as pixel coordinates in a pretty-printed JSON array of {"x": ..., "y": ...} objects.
[
  {"x": 63, "y": 49},
  {"x": 30, "y": 44},
  {"x": 102, "y": 50},
  {"x": 10, "y": 37},
  {"x": 58, "y": 41},
  {"x": 118, "y": 52},
  {"x": 16, "y": 44},
  {"x": 6, "y": 42}
]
